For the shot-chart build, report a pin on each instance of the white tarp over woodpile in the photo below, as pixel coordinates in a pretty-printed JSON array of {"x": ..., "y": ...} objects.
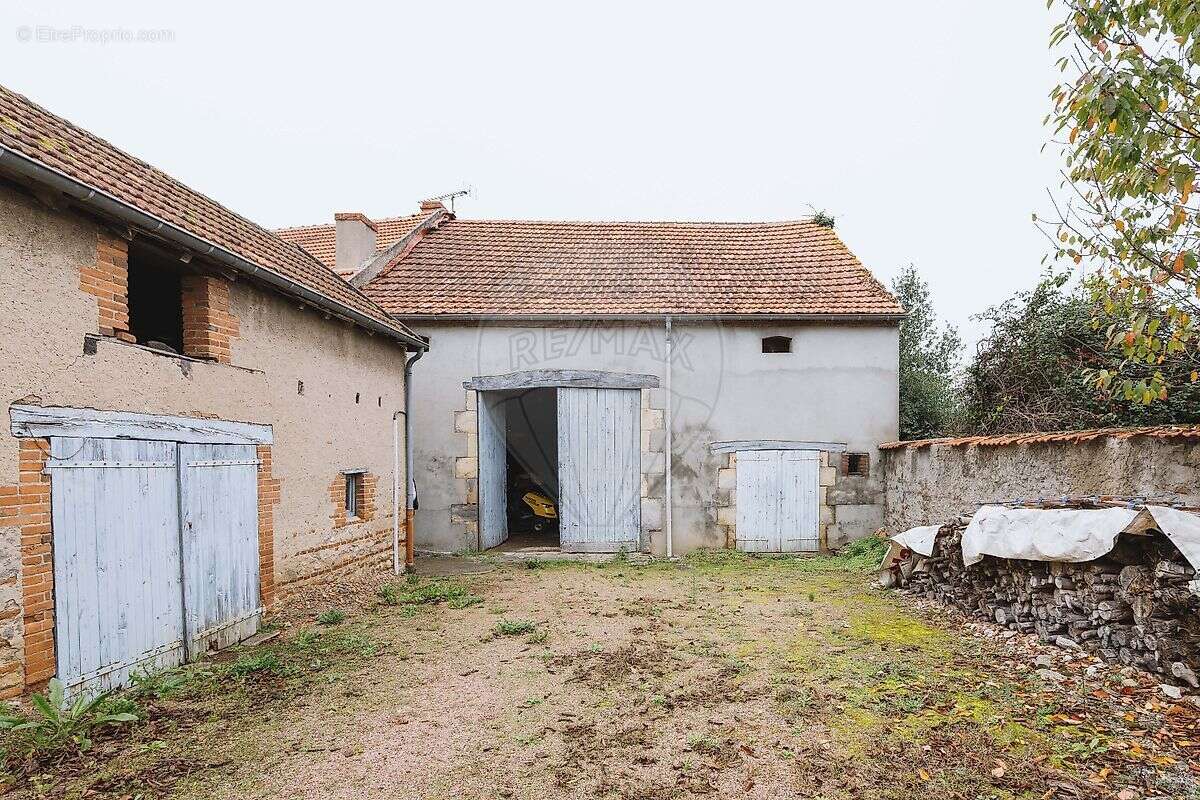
[
  {"x": 919, "y": 540},
  {"x": 1069, "y": 534}
]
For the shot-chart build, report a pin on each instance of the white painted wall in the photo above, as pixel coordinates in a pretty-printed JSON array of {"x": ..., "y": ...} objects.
[{"x": 839, "y": 383}]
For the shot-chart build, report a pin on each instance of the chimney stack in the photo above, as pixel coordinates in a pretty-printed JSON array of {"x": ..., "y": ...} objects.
[
  {"x": 355, "y": 236},
  {"x": 432, "y": 205}
]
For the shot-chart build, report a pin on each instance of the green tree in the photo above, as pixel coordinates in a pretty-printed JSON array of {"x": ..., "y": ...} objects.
[
  {"x": 929, "y": 358},
  {"x": 1127, "y": 116},
  {"x": 1029, "y": 372}
]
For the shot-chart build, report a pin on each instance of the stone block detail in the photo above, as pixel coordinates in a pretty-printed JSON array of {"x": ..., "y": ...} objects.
[
  {"x": 466, "y": 468},
  {"x": 466, "y": 421}
]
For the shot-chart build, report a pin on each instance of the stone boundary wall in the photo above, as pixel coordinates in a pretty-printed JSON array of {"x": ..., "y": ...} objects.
[{"x": 929, "y": 484}]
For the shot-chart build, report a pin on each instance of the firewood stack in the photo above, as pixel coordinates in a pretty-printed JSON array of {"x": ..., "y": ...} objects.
[{"x": 1132, "y": 606}]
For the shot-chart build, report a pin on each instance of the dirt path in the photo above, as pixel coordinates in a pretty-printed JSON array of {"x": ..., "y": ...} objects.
[{"x": 739, "y": 677}]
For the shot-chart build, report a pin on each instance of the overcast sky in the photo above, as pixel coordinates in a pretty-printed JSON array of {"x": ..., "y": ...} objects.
[{"x": 916, "y": 124}]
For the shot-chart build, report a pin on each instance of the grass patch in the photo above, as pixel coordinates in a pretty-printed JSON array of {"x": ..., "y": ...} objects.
[
  {"x": 332, "y": 616},
  {"x": 514, "y": 627}
]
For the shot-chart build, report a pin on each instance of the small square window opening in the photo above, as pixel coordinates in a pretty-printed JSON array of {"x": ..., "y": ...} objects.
[
  {"x": 777, "y": 344},
  {"x": 857, "y": 464}
]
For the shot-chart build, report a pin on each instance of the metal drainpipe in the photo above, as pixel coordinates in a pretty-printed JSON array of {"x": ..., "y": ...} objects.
[
  {"x": 411, "y": 488},
  {"x": 396, "y": 490},
  {"x": 667, "y": 445}
]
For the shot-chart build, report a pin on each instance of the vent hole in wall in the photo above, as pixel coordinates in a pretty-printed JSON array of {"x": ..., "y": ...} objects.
[
  {"x": 299, "y": 387},
  {"x": 777, "y": 344},
  {"x": 357, "y": 396}
]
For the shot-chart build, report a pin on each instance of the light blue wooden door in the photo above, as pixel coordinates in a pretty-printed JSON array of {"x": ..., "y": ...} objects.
[
  {"x": 778, "y": 495},
  {"x": 118, "y": 596},
  {"x": 493, "y": 469},
  {"x": 219, "y": 502},
  {"x": 599, "y": 471}
]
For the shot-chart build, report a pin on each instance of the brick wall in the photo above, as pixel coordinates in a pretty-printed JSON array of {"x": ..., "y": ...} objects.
[
  {"x": 268, "y": 497},
  {"x": 27, "y": 507},
  {"x": 209, "y": 327},
  {"x": 108, "y": 281}
]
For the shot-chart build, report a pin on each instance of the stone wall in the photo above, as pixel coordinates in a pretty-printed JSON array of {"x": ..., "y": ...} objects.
[{"x": 930, "y": 484}]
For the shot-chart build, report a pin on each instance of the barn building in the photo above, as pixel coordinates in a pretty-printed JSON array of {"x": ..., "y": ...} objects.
[{"x": 660, "y": 386}]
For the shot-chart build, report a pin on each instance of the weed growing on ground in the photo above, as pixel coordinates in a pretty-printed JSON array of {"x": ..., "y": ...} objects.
[
  {"x": 537, "y": 638},
  {"x": 157, "y": 685},
  {"x": 251, "y": 663},
  {"x": 333, "y": 616},
  {"x": 534, "y": 563},
  {"x": 466, "y": 601},
  {"x": 389, "y": 594},
  {"x": 306, "y": 637},
  {"x": 514, "y": 627},
  {"x": 59, "y": 724}
]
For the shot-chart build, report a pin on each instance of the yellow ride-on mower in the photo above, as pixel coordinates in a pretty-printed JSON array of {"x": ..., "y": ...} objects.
[{"x": 543, "y": 511}]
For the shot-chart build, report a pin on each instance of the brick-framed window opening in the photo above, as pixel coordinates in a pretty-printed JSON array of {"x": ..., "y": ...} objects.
[
  {"x": 148, "y": 298},
  {"x": 856, "y": 464},
  {"x": 353, "y": 495}
]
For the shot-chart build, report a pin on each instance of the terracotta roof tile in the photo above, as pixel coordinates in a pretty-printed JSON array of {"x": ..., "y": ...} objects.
[
  {"x": 33, "y": 132},
  {"x": 1072, "y": 437},
  {"x": 477, "y": 267},
  {"x": 320, "y": 240}
]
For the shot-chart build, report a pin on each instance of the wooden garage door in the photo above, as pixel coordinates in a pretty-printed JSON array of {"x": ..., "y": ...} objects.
[
  {"x": 599, "y": 472},
  {"x": 155, "y": 554},
  {"x": 219, "y": 499},
  {"x": 493, "y": 470},
  {"x": 778, "y": 496},
  {"x": 117, "y": 578}
]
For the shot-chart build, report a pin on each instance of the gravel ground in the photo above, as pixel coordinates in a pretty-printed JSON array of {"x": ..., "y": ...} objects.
[{"x": 723, "y": 675}]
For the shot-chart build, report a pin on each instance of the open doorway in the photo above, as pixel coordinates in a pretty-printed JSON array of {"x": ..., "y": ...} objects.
[
  {"x": 559, "y": 469},
  {"x": 531, "y": 438},
  {"x": 519, "y": 468}
]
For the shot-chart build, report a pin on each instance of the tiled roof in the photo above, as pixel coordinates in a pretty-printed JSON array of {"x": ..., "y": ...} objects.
[
  {"x": 53, "y": 142},
  {"x": 475, "y": 267},
  {"x": 320, "y": 240},
  {"x": 1070, "y": 437}
]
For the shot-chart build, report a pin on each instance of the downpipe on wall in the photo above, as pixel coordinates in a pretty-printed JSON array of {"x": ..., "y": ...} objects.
[
  {"x": 410, "y": 487},
  {"x": 667, "y": 444},
  {"x": 410, "y": 491}
]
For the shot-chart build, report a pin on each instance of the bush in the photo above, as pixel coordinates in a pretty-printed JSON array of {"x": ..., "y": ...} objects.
[{"x": 60, "y": 724}]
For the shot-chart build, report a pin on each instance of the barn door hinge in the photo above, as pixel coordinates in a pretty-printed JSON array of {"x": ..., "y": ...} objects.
[
  {"x": 112, "y": 465},
  {"x": 243, "y": 462}
]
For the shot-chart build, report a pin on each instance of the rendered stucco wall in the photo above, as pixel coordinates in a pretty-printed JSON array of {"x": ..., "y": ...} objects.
[
  {"x": 44, "y": 318},
  {"x": 838, "y": 384},
  {"x": 929, "y": 485}
]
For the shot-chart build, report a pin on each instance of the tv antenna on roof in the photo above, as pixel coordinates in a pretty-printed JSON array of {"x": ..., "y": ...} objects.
[{"x": 468, "y": 191}]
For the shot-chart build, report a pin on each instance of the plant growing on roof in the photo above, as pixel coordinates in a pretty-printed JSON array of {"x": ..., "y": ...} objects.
[{"x": 1127, "y": 118}]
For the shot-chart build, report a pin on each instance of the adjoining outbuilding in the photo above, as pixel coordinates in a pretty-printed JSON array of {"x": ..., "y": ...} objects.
[
  {"x": 626, "y": 358},
  {"x": 202, "y": 416}
]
